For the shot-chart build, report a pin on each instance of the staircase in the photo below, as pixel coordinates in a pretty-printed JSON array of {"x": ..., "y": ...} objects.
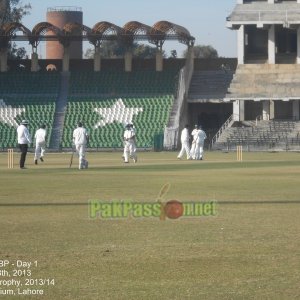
[
  {"x": 60, "y": 111},
  {"x": 266, "y": 135},
  {"x": 209, "y": 85}
]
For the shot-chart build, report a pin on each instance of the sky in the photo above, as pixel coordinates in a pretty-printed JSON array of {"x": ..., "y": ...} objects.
[{"x": 204, "y": 19}]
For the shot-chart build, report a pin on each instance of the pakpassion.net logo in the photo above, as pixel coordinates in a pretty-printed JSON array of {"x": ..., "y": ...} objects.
[{"x": 161, "y": 208}]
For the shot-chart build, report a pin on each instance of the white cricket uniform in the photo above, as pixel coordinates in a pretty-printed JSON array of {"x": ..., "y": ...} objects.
[
  {"x": 24, "y": 136},
  {"x": 185, "y": 144},
  {"x": 201, "y": 136},
  {"x": 40, "y": 143},
  {"x": 129, "y": 145},
  {"x": 194, "y": 134},
  {"x": 80, "y": 138}
]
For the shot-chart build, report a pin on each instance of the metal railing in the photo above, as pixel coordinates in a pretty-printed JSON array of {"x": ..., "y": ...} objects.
[
  {"x": 227, "y": 124},
  {"x": 64, "y": 8},
  {"x": 264, "y": 15},
  {"x": 171, "y": 132}
]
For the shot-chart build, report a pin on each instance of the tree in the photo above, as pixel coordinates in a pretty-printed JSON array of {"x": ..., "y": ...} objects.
[
  {"x": 13, "y": 11},
  {"x": 144, "y": 51},
  {"x": 114, "y": 49},
  {"x": 203, "y": 51},
  {"x": 89, "y": 53},
  {"x": 109, "y": 49}
]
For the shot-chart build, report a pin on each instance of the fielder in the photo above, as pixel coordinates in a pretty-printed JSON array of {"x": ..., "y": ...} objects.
[
  {"x": 200, "y": 138},
  {"x": 194, "y": 135},
  {"x": 129, "y": 144},
  {"x": 185, "y": 143},
  {"x": 80, "y": 140},
  {"x": 40, "y": 143}
]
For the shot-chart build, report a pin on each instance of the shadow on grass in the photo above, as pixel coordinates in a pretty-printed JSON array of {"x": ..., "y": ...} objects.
[{"x": 250, "y": 202}]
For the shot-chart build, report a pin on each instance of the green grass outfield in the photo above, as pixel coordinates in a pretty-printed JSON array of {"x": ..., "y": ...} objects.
[{"x": 249, "y": 250}]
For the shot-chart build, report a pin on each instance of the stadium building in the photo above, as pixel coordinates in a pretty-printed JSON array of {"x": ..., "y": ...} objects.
[
  {"x": 252, "y": 100},
  {"x": 265, "y": 88}
]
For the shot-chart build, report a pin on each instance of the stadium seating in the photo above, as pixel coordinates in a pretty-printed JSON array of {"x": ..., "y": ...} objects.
[
  {"x": 123, "y": 82},
  {"x": 150, "y": 120},
  {"x": 147, "y": 97},
  {"x": 149, "y": 93},
  {"x": 29, "y": 83},
  {"x": 265, "y": 135},
  {"x": 33, "y": 108},
  {"x": 26, "y": 95},
  {"x": 266, "y": 81}
]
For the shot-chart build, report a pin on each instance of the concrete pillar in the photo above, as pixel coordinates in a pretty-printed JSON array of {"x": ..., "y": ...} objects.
[
  {"x": 298, "y": 1},
  {"x": 34, "y": 62},
  {"x": 3, "y": 60},
  {"x": 191, "y": 56},
  {"x": 240, "y": 1},
  {"x": 271, "y": 1},
  {"x": 66, "y": 59},
  {"x": 266, "y": 110},
  {"x": 239, "y": 110},
  {"x": 298, "y": 43},
  {"x": 128, "y": 61},
  {"x": 296, "y": 113},
  {"x": 272, "y": 109},
  {"x": 241, "y": 45},
  {"x": 97, "y": 59},
  {"x": 271, "y": 45},
  {"x": 159, "y": 60}
]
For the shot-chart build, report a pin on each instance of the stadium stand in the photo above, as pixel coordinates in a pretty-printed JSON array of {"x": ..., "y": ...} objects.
[
  {"x": 26, "y": 95},
  {"x": 263, "y": 135},
  {"x": 29, "y": 83},
  {"x": 122, "y": 82},
  {"x": 37, "y": 96},
  {"x": 95, "y": 96},
  {"x": 265, "y": 81},
  {"x": 33, "y": 108},
  {"x": 153, "y": 115},
  {"x": 210, "y": 85}
]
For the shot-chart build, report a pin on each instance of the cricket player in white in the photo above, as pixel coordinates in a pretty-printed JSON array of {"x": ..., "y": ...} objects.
[
  {"x": 80, "y": 140},
  {"x": 40, "y": 143},
  {"x": 194, "y": 135},
  {"x": 129, "y": 143},
  {"x": 185, "y": 143},
  {"x": 201, "y": 136},
  {"x": 24, "y": 139}
]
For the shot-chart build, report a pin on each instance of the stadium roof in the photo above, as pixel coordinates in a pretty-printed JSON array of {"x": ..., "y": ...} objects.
[
  {"x": 261, "y": 13},
  {"x": 130, "y": 32}
]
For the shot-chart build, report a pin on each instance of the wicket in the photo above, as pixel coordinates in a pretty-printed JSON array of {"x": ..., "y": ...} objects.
[
  {"x": 10, "y": 158},
  {"x": 239, "y": 153}
]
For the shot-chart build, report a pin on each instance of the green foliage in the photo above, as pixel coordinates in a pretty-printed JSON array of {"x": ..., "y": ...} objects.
[
  {"x": 13, "y": 11},
  {"x": 115, "y": 49},
  {"x": 203, "y": 51},
  {"x": 144, "y": 51},
  {"x": 89, "y": 53}
]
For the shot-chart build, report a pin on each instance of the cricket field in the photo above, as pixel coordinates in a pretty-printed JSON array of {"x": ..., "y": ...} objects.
[{"x": 53, "y": 248}]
